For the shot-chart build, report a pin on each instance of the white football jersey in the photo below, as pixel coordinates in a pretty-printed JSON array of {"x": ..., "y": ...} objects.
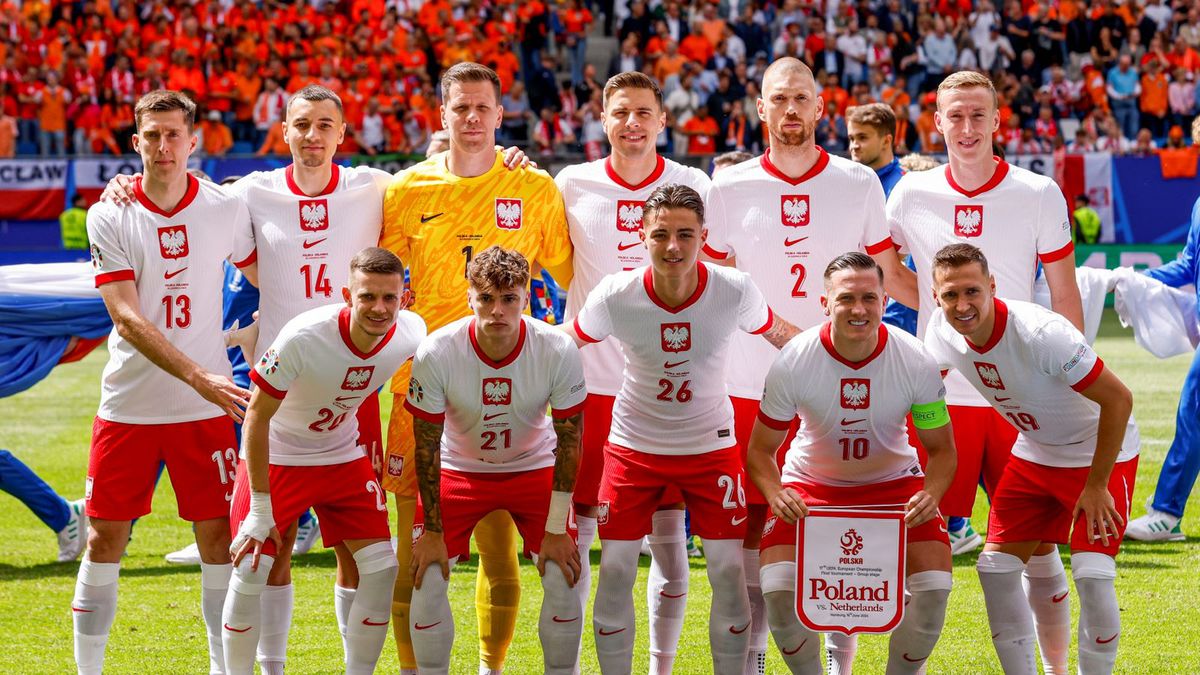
[
  {"x": 852, "y": 415},
  {"x": 673, "y": 399},
  {"x": 303, "y": 245},
  {"x": 605, "y": 216},
  {"x": 1026, "y": 371},
  {"x": 322, "y": 378},
  {"x": 1017, "y": 218},
  {"x": 784, "y": 232},
  {"x": 176, "y": 261},
  {"x": 494, "y": 412}
]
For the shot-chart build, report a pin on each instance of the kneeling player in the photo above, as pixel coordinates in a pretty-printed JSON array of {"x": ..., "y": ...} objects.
[
  {"x": 853, "y": 383},
  {"x": 478, "y": 395},
  {"x": 1071, "y": 475},
  {"x": 299, "y": 451}
]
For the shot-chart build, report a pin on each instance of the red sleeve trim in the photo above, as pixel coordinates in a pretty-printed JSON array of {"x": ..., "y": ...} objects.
[
  {"x": 1057, "y": 255},
  {"x": 876, "y": 249},
  {"x": 266, "y": 386},
  {"x": 714, "y": 253},
  {"x": 1091, "y": 377},
  {"x": 772, "y": 422},
  {"x": 765, "y": 326},
  {"x": 119, "y": 275},
  {"x": 427, "y": 416},
  {"x": 583, "y": 335},
  {"x": 944, "y": 372},
  {"x": 569, "y": 412},
  {"x": 250, "y": 259}
]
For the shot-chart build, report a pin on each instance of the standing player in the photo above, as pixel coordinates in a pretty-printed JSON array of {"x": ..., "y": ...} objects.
[
  {"x": 672, "y": 420},
  {"x": 166, "y": 392},
  {"x": 437, "y": 215},
  {"x": 301, "y": 451},
  {"x": 1017, "y": 218},
  {"x": 779, "y": 217},
  {"x": 853, "y": 366},
  {"x": 1070, "y": 479},
  {"x": 479, "y": 392},
  {"x": 605, "y": 201}
]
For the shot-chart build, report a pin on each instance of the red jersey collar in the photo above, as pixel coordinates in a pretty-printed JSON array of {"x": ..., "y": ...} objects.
[
  {"x": 334, "y": 173},
  {"x": 512, "y": 356},
  {"x": 189, "y": 195},
  {"x": 344, "y": 330},
  {"x": 997, "y": 176},
  {"x": 827, "y": 343},
  {"x": 648, "y": 282},
  {"x": 818, "y": 167},
  {"x": 660, "y": 165},
  {"x": 998, "y": 326}
]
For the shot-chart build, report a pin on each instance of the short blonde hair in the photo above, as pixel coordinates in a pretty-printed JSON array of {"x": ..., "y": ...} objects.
[
  {"x": 1196, "y": 131},
  {"x": 966, "y": 79}
]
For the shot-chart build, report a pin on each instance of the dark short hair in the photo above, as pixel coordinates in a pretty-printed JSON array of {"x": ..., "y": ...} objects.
[
  {"x": 315, "y": 93},
  {"x": 730, "y": 158},
  {"x": 878, "y": 116},
  {"x": 955, "y": 256},
  {"x": 631, "y": 80},
  {"x": 854, "y": 260},
  {"x": 498, "y": 268},
  {"x": 375, "y": 260},
  {"x": 165, "y": 100},
  {"x": 469, "y": 71},
  {"x": 673, "y": 196}
]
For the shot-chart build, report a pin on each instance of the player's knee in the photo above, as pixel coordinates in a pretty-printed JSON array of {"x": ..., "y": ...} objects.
[
  {"x": 930, "y": 595},
  {"x": 779, "y": 592},
  {"x": 998, "y": 562},
  {"x": 107, "y": 540},
  {"x": 555, "y": 586},
  {"x": 667, "y": 528},
  {"x": 376, "y": 565},
  {"x": 433, "y": 591},
  {"x": 1090, "y": 565},
  {"x": 252, "y": 582}
]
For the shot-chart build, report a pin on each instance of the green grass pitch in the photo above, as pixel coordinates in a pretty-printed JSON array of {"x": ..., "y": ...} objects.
[{"x": 159, "y": 628}]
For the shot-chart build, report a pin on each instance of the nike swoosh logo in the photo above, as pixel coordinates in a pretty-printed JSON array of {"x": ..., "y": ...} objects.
[
  {"x": 606, "y": 633},
  {"x": 310, "y": 244},
  {"x": 911, "y": 660},
  {"x": 668, "y": 365},
  {"x": 426, "y": 219},
  {"x": 417, "y": 625},
  {"x": 558, "y": 620},
  {"x": 846, "y": 422},
  {"x": 368, "y": 622},
  {"x": 626, "y": 247},
  {"x": 737, "y": 521},
  {"x": 1104, "y": 642},
  {"x": 793, "y": 242},
  {"x": 343, "y": 399},
  {"x": 739, "y": 631},
  {"x": 673, "y": 596},
  {"x": 1002, "y": 399},
  {"x": 1060, "y": 597},
  {"x": 237, "y": 630},
  {"x": 493, "y": 416},
  {"x": 82, "y": 611},
  {"x": 789, "y": 652},
  {"x": 172, "y": 275}
]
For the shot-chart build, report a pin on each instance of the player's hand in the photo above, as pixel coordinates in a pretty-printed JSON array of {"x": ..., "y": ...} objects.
[
  {"x": 429, "y": 549},
  {"x": 560, "y": 548},
  {"x": 222, "y": 392},
  {"x": 243, "y": 338},
  {"x": 257, "y": 528},
  {"x": 120, "y": 190},
  {"x": 788, "y": 506},
  {"x": 1100, "y": 514},
  {"x": 920, "y": 508},
  {"x": 515, "y": 158}
]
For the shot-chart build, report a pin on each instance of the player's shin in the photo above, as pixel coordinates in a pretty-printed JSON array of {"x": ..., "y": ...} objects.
[
  {"x": 1046, "y": 588},
  {"x": 93, "y": 610},
  {"x": 276, "y": 602},
  {"x": 242, "y": 615},
  {"x": 366, "y": 626},
  {"x": 1099, "y": 615},
  {"x": 343, "y": 598},
  {"x": 756, "y": 657},
  {"x": 913, "y": 641},
  {"x": 214, "y": 586},
  {"x": 406, "y": 509},
  {"x": 1008, "y": 612},
  {"x": 612, "y": 614},
  {"x": 560, "y": 625},
  {"x": 497, "y": 589},
  {"x": 432, "y": 623},
  {"x": 800, "y": 647},
  {"x": 729, "y": 619},
  {"x": 841, "y": 650},
  {"x": 585, "y": 535},
  {"x": 667, "y": 587}
]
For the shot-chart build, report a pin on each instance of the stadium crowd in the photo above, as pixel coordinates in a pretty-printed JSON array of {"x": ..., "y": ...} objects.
[{"x": 1105, "y": 75}]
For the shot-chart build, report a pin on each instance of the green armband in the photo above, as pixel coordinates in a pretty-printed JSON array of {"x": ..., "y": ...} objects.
[{"x": 930, "y": 415}]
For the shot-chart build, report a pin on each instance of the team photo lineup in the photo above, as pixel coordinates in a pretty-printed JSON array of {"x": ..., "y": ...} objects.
[{"x": 813, "y": 364}]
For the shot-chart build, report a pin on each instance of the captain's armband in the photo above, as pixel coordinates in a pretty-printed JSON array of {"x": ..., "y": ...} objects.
[{"x": 930, "y": 415}]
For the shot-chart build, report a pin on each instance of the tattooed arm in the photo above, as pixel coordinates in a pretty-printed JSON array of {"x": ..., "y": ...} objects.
[
  {"x": 780, "y": 332},
  {"x": 557, "y": 545},
  {"x": 430, "y": 548},
  {"x": 566, "y": 455}
]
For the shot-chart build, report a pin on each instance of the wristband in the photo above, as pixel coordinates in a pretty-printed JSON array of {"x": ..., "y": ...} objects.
[
  {"x": 930, "y": 415},
  {"x": 560, "y": 509}
]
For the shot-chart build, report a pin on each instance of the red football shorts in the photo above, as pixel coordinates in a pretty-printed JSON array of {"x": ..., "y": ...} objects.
[
  {"x": 1033, "y": 502},
  {"x": 984, "y": 443},
  {"x": 745, "y": 412},
  {"x": 898, "y": 491},
  {"x": 201, "y": 458},
  {"x": 635, "y": 482},
  {"x": 347, "y": 497},
  {"x": 370, "y": 432},
  {"x": 597, "y": 420}
]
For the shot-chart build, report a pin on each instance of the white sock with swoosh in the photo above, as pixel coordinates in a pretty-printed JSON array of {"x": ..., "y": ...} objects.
[
  {"x": 667, "y": 587},
  {"x": 799, "y": 647},
  {"x": 431, "y": 623},
  {"x": 560, "y": 624},
  {"x": 1046, "y": 588},
  {"x": 1099, "y": 614},
  {"x": 367, "y": 623},
  {"x": 729, "y": 618}
]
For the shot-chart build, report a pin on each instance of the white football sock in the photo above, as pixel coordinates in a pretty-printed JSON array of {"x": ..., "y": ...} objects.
[
  {"x": 1099, "y": 615},
  {"x": 585, "y": 535},
  {"x": 799, "y": 647},
  {"x": 93, "y": 609},
  {"x": 1046, "y": 588},
  {"x": 342, "y": 599},
  {"x": 276, "y": 622},
  {"x": 666, "y": 590},
  {"x": 758, "y": 613},
  {"x": 729, "y": 618},
  {"x": 841, "y": 650},
  {"x": 432, "y": 623},
  {"x": 214, "y": 586},
  {"x": 613, "y": 619},
  {"x": 367, "y": 621},
  {"x": 914, "y": 639},
  {"x": 1008, "y": 612},
  {"x": 560, "y": 624},
  {"x": 242, "y": 615}
]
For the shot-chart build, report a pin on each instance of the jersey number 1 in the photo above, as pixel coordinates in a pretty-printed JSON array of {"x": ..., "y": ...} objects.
[{"x": 319, "y": 284}]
